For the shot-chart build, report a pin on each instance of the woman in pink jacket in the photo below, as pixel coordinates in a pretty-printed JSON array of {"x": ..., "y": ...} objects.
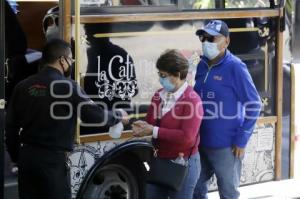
[{"x": 173, "y": 121}]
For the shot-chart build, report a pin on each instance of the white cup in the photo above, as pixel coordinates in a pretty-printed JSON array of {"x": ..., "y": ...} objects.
[{"x": 116, "y": 130}]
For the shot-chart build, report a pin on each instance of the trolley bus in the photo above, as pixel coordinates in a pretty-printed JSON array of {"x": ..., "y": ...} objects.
[{"x": 121, "y": 38}]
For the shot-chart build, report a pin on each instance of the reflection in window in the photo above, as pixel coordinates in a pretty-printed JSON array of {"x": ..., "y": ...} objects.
[
  {"x": 186, "y": 4},
  {"x": 100, "y": 3},
  {"x": 247, "y": 3},
  {"x": 204, "y": 4},
  {"x": 217, "y": 4}
]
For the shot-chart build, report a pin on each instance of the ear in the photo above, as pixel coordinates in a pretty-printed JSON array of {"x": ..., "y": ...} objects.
[
  {"x": 227, "y": 41},
  {"x": 62, "y": 61}
]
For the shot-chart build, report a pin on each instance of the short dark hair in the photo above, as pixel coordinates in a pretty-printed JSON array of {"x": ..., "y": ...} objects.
[
  {"x": 55, "y": 49},
  {"x": 173, "y": 62}
]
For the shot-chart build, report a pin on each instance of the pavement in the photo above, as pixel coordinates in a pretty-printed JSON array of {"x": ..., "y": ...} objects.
[{"x": 284, "y": 189}]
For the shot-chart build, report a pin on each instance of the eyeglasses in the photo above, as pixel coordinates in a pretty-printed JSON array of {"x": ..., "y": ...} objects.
[
  {"x": 208, "y": 38},
  {"x": 162, "y": 75}
]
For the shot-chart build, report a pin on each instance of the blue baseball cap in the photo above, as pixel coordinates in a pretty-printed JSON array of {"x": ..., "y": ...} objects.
[{"x": 214, "y": 28}]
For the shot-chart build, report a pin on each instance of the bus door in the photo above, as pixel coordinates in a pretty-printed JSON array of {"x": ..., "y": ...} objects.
[
  {"x": 2, "y": 101},
  {"x": 23, "y": 43}
]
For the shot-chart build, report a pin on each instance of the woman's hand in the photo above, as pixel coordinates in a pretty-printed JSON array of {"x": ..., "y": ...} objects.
[{"x": 141, "y": 128}]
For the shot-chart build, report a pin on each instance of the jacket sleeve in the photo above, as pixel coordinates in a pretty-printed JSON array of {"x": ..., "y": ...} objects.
[
  {"x": 184, "y": 136},
  {"x": 90, "y": 112},
  {"x": 250, "y": 101},
  {"x": 12, "y": 129}
]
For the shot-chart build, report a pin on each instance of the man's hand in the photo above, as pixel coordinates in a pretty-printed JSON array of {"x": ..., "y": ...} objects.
[
  {"x": 141, "y": 129},
  {"x": 125, "y": 117},
  {"x": 238, "y": 152}
]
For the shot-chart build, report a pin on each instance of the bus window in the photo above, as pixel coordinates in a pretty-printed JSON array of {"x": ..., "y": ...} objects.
[
  {"x": 108, "y": 3},
  {"x": 117, "y": 72},
  {"x": 247, "y": 4},
  {"x": 215, "y": 4},
  {"x": 178, "y": 4}
]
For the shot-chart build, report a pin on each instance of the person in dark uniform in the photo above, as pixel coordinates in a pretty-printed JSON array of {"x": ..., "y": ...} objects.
[{"x": 41, "y": 120}]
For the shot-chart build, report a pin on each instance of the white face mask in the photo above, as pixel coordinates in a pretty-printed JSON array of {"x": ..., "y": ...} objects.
[
  {"x": 52, "y": 32},
  {"x": 210, "y": 49}
]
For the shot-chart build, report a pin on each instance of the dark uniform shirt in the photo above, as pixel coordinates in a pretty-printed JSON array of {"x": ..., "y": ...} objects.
[{"x": 44, "y": 109}]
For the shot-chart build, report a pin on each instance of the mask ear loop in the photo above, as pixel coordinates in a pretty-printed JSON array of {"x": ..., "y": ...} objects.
[{"x": 69, "y": 65}]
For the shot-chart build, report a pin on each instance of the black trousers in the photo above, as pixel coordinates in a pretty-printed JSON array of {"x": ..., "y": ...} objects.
[{"x": 43, "y": 174}]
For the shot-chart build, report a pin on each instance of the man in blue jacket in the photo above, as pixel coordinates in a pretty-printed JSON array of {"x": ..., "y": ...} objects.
[{"x": 231, "y": 106}]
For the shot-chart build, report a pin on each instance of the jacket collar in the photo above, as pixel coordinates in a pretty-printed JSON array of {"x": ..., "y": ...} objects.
[
  {"x": 185, "y": 93},
  {"x": 49, "y": 69},
  {"x": 176, "y": 95}
]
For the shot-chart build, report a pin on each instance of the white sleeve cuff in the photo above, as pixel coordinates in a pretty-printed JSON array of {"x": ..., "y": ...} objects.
[
  {"x": 155, "y": 132},
  {"x": 32, "y": 57}
]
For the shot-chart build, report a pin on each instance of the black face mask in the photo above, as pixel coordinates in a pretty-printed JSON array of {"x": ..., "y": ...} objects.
[{"x": 67, "y": 73}]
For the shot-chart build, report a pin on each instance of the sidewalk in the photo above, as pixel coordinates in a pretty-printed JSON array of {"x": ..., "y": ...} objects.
[{"x": 284, "y": 189}]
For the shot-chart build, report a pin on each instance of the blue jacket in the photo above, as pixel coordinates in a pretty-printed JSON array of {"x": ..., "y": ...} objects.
[{"x": 230, "y": 101}]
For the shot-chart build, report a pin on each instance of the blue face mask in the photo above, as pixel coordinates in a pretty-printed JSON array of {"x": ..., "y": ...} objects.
[
  {"x": 166, "y": 84},
  {"x": 210, "y": 50}
]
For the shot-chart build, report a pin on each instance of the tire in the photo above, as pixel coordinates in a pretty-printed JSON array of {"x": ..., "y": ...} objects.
[{"x": 112, "y": 181}]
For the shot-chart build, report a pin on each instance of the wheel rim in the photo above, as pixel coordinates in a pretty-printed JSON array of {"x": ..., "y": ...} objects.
[{"x": 112, "y": 182}]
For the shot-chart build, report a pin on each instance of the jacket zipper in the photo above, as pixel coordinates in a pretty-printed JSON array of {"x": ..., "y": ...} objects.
[{"x": 209, "y": 69}]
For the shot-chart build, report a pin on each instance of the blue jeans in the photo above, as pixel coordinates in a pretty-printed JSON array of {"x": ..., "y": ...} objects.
[
  {"x": 227, "y": 169},
  {"x": 186, "y": 192}
]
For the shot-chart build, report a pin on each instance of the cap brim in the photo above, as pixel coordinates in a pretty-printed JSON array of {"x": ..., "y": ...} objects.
[{"x": 208, "y": 31}]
